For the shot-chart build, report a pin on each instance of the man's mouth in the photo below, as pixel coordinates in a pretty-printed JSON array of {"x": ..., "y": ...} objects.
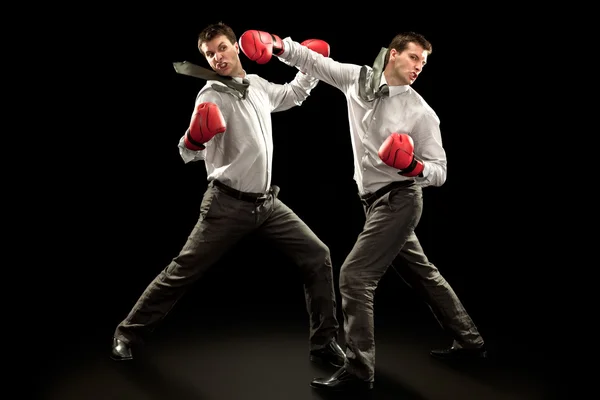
[{"x": 222, "y": 65}]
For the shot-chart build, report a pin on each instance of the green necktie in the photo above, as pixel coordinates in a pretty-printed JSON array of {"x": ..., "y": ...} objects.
[
  {"x": 191, "y": 69},
  {"x": 369, "y": 80},
  {"x": 384, "y": 91}
]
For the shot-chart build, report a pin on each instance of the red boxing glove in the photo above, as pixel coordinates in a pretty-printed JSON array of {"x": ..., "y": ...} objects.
[
  {"x": 398, "y": 151},
  {"x": 260, "y": 46},
  {"x": 318, "y": 45},
  {"x": 207, "y": 121}
]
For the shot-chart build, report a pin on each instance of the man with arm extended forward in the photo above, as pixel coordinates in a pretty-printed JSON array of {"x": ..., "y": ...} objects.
[{"x": 398, "y": 151}]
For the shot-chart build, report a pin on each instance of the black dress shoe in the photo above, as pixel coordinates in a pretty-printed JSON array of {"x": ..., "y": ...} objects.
[
  {"x": 341, "y": 380},
  {"x": 121, "y": 351},
  {"x": 459, "y": 354},
  {"x": 330, "y": 354}
]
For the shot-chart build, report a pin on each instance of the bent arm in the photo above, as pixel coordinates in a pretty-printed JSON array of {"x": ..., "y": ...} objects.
[
  {"x": 429, "y": 149},
  {"x": 291, "y": 94},
  {"x": 205, "y": 121}
]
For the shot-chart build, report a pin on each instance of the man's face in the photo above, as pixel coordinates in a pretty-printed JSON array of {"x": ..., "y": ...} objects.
[
  {"x": 407, "y": 66},
  {"x": 222, "y": 56}
]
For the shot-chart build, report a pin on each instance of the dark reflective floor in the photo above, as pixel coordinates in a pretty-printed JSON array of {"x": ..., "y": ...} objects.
[{"x": 243, "y": 357}]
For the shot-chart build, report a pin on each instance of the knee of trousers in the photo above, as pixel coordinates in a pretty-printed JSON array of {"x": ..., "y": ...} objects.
[
  {"x": 322, "y": 251},
  {"x": 317, "y": 264},
  {"x": 351, "y": 284},
  {"x": 434, "y": 279},
  {"x": 175, "y": 276},
  {"x": 317, "y": 254}
]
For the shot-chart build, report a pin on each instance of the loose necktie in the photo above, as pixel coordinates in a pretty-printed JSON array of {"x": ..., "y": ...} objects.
[
  {"x": 369, "y": 79},
  {"x": 239, "y": 92},
  {"x": 191, "y": 69},
  {"x": 384, "y": 91}
]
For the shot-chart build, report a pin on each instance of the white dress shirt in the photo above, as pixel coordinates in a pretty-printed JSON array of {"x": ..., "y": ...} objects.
[
  {"x": 242, "y": 156},
  {"x": 404, "y": 111}
]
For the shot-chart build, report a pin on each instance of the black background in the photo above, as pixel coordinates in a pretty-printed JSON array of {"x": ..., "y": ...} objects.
[{"x": 120, "y": 202}]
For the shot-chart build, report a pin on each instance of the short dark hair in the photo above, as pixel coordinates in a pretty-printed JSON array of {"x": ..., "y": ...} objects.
[
  {"x": 400, "y": 43},
  {"x": 212, "y": 31}
]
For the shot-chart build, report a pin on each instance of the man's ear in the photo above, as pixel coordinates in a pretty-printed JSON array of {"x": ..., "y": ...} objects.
[{"x": 237, "y": 47}]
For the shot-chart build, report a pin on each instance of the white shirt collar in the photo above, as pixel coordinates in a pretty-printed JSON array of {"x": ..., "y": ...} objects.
[{"x": 394, "y": 90}]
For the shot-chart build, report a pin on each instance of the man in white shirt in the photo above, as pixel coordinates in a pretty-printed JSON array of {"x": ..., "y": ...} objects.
[
  {"x": 231, "y": 131},
  {"x": 398, "y": 151}
]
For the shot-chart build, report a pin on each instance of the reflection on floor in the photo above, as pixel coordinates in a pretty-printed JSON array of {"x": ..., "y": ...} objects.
[{"x": 245, "y": 359}]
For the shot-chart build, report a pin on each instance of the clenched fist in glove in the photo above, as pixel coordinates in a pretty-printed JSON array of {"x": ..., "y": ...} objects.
[
  {"x": 260, "y": 46},
  {"x": 207, "y": 121},
  {"x": 318, "y": 45},
  {"x": 398, "y": 151}
]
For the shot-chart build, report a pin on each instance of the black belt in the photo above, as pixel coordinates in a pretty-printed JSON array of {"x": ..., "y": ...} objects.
[
  {"x": 249, "y": 197},
  {"x": 369, "y": 199}
]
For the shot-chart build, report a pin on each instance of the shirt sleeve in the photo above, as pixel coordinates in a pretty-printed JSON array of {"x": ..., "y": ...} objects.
[
  {"x": 326, "y": 69},
  {"x": 206, "y": 95},
  {"x": 291, "y": 94},
  {"x": 428, "y": 148},
  {"x": 188, "y": 155}
]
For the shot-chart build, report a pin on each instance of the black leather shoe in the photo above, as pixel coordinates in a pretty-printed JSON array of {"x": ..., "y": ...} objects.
[
  {"x": 121, "y": 351},
  {"x": 459, "y": 354},
  {"x": 341, "y": 380},
  {"x": 330, "y": 354}
]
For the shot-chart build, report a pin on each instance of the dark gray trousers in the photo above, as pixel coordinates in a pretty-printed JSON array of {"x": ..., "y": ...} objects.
[
  {"x": 223, "y": 221},
  {"x": 388, "y": 235}
]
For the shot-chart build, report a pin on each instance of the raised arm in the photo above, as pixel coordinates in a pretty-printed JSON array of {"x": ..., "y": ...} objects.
[{"x": 311, "y": 56}]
